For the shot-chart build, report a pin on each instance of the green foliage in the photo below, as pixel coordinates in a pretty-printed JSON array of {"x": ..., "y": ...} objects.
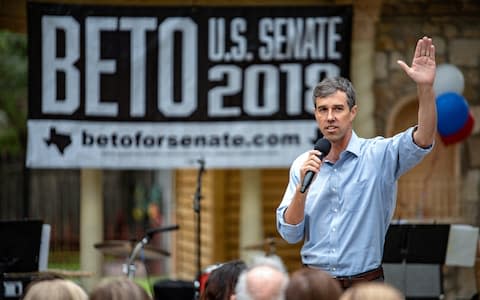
[
  {"x": 64, "y": 260},
  {"x": 13, "y": 92}
]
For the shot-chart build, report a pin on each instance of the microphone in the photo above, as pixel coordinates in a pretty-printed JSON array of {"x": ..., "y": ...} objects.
[
  {"x": 323, "y": 145},
  {"x": 153, "y": 231}
]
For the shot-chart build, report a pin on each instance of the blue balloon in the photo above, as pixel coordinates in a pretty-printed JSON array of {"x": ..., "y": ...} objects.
[{"x": 452, "y": 112}]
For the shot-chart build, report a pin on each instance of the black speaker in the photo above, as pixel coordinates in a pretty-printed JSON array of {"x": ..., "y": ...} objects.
[{"x": 174, "y": 290}]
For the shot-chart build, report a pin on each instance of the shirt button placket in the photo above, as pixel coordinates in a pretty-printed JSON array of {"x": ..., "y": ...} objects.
[{"x": 335, "y": 205}]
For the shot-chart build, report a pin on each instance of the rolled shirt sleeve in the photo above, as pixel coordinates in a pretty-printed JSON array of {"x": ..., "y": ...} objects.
[{"x": 292, "y": 233}]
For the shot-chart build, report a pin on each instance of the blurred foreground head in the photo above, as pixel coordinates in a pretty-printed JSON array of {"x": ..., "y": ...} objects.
[
  {"x": 372, "y": 291},
  {"x": 120, "y": 288},
  {"x": 266, "y": 279},
  {"x": 221, "y": 282},
  {"x": 312, "y": 284},
  {"x": 55, "y": 289}
]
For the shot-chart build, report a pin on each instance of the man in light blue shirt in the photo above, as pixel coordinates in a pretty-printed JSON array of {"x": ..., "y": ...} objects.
[{"x": 345, "y": 213}]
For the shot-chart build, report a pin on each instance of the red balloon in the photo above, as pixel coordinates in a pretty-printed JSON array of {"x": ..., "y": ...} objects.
[{"x": 462, "y": 133}]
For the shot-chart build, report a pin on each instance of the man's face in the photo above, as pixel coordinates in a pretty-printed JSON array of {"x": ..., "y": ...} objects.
[{"x": 333, "y": 116}]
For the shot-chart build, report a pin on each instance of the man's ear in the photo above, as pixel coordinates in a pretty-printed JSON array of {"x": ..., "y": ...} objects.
[
  {"x": 233, "y": 297},
  {"x": 353, "y": 111}
]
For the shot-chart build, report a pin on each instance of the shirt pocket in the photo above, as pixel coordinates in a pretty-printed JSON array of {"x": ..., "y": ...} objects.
[{"x": 354, "y": 195}]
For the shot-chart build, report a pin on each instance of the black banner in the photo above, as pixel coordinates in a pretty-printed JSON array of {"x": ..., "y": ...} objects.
[
  {"x": 182, "y": 63},
  {"x": 102, "y": 66}
]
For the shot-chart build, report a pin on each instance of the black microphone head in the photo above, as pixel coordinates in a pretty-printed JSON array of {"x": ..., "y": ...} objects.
[{"x": 323, "y": 145}]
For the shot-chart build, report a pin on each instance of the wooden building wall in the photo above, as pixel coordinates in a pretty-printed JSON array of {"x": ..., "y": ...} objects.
[
  {"x": 220, "y": 214},
  {"x": 219, "y": 220}
]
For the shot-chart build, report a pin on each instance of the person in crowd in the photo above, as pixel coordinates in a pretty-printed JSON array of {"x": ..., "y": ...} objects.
[
  {"x": 221, "y": 281},
  {"x": 372, "y": 291},
  {"x": 343, "y": 215},
  {"x": 265, "y": 279},
  {"x": 54, "y": 289},
  {"x": 312, "y": 284},
  {"x": 118, "y": 288}
]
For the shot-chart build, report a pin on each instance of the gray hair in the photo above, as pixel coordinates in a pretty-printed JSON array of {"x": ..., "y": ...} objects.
[
  {"x": 244, "y": 292},
  {"x": 329, "y": 86}
]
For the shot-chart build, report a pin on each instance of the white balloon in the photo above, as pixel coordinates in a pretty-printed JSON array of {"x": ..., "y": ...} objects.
[{"x": 448, "y": 79}]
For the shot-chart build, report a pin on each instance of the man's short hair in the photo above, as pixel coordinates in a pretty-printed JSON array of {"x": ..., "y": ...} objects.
[{"x": 330, "y": 86}]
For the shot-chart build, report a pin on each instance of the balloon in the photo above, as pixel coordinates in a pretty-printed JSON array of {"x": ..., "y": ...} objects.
[
  {"x": 448, "y": 78},
  {"x": 452, "y": 111},
  {"x": 462, "y": 134}
]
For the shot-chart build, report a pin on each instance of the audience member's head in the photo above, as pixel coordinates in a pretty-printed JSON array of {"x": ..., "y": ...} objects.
[
  {"x": 120, "y": 288},
  {"x": 312, "y": 284},
  {"x": 221, "y": 282},
  {"x": 54, "y": 289},
  {"x": 372, "y": 291},
  {"x": 266, "y": 279}
]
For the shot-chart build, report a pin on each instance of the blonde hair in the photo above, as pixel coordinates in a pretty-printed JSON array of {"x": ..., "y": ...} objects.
[
  {"x": 372, "y": 291},
  {"x": 55, "y": 289},
  {"x": 120, "y": 288}
]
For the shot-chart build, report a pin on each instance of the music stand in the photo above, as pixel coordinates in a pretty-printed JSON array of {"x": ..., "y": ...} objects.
[
  {"x": 20, "y": 245},
  {"x": 19, "y": 254},
  {"x": 413, "y": 258}
]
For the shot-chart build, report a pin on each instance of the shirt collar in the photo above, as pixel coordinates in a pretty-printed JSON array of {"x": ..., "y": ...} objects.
[{"x": 354, "y": 144}]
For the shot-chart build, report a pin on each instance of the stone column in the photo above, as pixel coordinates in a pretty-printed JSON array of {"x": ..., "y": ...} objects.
[
  {"x": 91, "y": 224},
  {"x": 362, "y": 73},
  {"x": 251, "y": 227}
]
